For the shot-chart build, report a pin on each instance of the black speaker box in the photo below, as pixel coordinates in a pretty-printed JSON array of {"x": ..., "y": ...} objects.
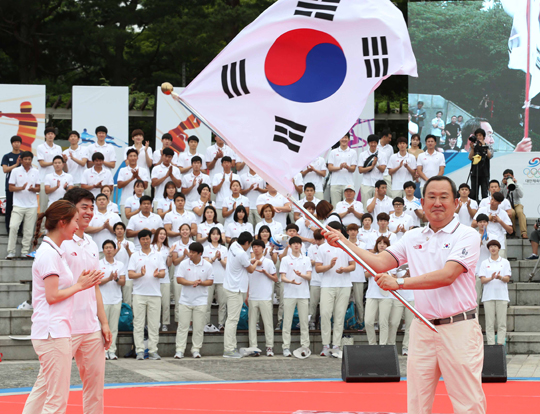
[
  {"x": 494, "y": 369},
  {"x": 370, "y": 363}
]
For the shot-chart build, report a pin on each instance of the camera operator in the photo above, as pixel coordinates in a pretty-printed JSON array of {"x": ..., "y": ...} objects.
[
  {"x": 513, "y": 193},
  {"x": 479, "y": 153}
]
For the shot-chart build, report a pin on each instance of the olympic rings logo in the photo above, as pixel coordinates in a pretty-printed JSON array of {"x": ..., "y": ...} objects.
[{"x": 532, "y": 172}]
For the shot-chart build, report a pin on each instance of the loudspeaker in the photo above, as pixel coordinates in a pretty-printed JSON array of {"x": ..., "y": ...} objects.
[
  {"x": 370, "y": 363},
  {"x": 494, "y": 369}
]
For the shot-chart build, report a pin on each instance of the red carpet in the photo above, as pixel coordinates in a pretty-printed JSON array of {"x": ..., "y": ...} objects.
[{"x": 287, "y": 398}]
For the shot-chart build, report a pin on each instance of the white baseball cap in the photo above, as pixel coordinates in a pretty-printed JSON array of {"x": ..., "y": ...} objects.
[{"x": 350, "y": 187}]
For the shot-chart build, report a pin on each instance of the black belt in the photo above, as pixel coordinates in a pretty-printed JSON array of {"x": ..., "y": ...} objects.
[{"x": 463, "y": 316}]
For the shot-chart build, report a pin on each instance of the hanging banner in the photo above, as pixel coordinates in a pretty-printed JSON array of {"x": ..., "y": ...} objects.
[
  {"x": 103, "y": 105},
  {"x": 22, "y": 113}
]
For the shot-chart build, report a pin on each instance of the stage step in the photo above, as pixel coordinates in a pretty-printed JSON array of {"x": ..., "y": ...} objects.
[
  {"x": 13, "y": 271},
  {"x": 13, "y": 294}
]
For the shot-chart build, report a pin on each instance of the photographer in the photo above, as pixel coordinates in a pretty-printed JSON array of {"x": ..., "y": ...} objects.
[
  {"x": 479, "y": 153},
  {"x": 513, "y": 193}
]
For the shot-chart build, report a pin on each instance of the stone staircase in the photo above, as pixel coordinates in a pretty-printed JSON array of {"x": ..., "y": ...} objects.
[{"x": 523, "y": 336}]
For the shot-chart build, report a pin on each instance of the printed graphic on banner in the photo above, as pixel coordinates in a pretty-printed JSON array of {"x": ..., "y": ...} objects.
[
  {"x": 22, "y": 113},
  {"x": 174, "y": 119}
]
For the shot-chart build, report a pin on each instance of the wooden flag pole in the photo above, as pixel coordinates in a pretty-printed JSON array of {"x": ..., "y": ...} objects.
[{"x": 168, "y": 90}]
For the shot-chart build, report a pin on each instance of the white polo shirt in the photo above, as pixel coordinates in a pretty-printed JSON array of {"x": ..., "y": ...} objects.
[
  {"x": 108, "y": 151},
  {"x": 46, "y": 153},
  {"x": 370, "y": 178},
  {"x": 387, "y": 151},
  {"x": 218, "y": 271},
  {"x": 302, "y": 202},
  {"x": 247, "y": 180},
  {"x": 304, "y": 230},
  {"x": 19, "y": 177},
  {"x": 277, "y": 201},
  {"x": 211, "y": 152},
  {"x": 141, "y": 161},
  {"x": 225, "y": 190},
  {"x": 176, "y": 219},
  {"x": 193, "y": 196},
  {"x": 165, "y": 204},
  {"x": 132, "y": 203},
  {"x": 194, "y": 296},
  {"x": 204, "y": 228},
  {"x": 160, "y": 171},
  {"x": 395, "y": 221},
  {"x": 495, "y": 289},
  {"x": 505, "y": 205},
  {"x": 313, "y": 254},
  {"x": 75, "y": 169},
  {"x": 402, "y": 175},
  {"x": 455, "y": 242},
  {"x": 156, "y": 157},
  {"x": 314, "y": 178},
  {"x": 331, "y": 278},
  {"x": 147, "y": 285},
  {"x": 92, "y": 177},
  {"x": 381, "y": 206},
  {"x": 261, "y": 287},
  {"x": 358, "y": 275},
  {"x": 81, "y": 255},
  {"x": 275, "y": 227},
  {"x": 496, "y": 228},
  {"x": 229, "y": 202},
  {"x": 298, "y": 180},
  {"x": 430, "y": 164},
  {"x": 463, "y": 215},
  {"x": 370, "y": 243},
  {"x": 111, "y": 292},
  {"x": 122, "y": 255},
  {"x": 375, "y": 292},
  {"x": 365, "y": 235},
  {"x": 125, "y": 174},
  {"x": 52, "y": 179},
  {"x": 184, "y": 159},
  {"x": 343, "y": 206},
  {"x": 181, "y": 249},
  {"x": 288, "y": 265},
  {"x": 410, "y": 207},
  {"x": 236, "y": 275},
  {"x": 140, "y": 221},
  {"x": 336, "y": 158},
  {"x": 234, "y": 229},
  {"x": 50, "y": 319},
  {"x": 105, "y": 234}
]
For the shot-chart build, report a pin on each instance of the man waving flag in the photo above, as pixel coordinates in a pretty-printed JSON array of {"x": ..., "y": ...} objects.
[{"x": 294, "y": 81}]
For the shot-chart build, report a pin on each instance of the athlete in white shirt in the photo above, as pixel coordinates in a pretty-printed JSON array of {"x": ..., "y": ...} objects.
[
  {"x": 57, "y": 182},
  {"x": 315, "y": 173},
  {"x": 309, "y": 192},
  {"x": 267, "y": 212},
  {"x": 107, "y": 150},
  {"x": 133, "y": 205},
  {"x": 399, "y": 222},
  {"x": 163, "y": 173},
  {"x": 214, "y": 155},
  {"x": 101, "y": 226},
  {"x": 216, "y": 253},
  {"x": 230, "y": 203},
  {"x": 252, "y": 186},
  {"x": 160, "y": 244},
  {"x": 342, "y": 163},
  {"x": 495, "y": 187},
  {"x": 383, "y": 220},
  {"x": 380, "y": 203},
  {"x": 166, "y": 204},
  {"x": 174, "y": 219},
  {"x": 205, "y": 199},
  {"x": 430, "y": 163},
  {"x": 467, "y": 207},
  {"x": 371, "y": 165},
  {"x": 76, "y": 157},
  {"x": 499, "y": 221},
  {"x": 45, "y": 154},
  {"x": 185, "y": 159},
  {"x": 413, "y": 206},
  {"x": 402, "y": 167},
  {"x": 124, "y": 250},
  {"x": 144, "y": 220},
  {"x": 97, "y": 177},
  {"x": 315, "y": 283},
  {"x": 191, "y": 182},
  {"x": 221, "y": 184},
  {"x": 281, "y": 205},
  {"x": 144, "y": 152},
  {"x": 166, "y": 142},
  {"x": 358, "y": 277},
  {"x": 350, "y": 210},
  {"x": 132, "y": 172}
]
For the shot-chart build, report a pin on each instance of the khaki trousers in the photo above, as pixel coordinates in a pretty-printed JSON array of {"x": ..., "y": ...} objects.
[
  {"x": 89, "y": 353},
  {"x": 398, "y": 193},
  {"x": 43, "y": 198},
  {"x": 388, "y": 179},
  {"x": 278, "y": 288},
  {"x": 314, "y": 300},
  {"x": 254, "y": 217},
  {"x": 127, "y": 292},
  {"x": 517, "y": 213},
  {"x": 234, "y": 306},
  {"x": 177, "y": 291},
  {"x": 319, "y": 195},
  {"x": 334, "y": 301},
  {"x": 366, "y": 192},
  {"x": 218, "y": 289},
  {"x": 358, "y": 295},
  {"x": 396, "y": 314},
  {"x": 197, "y": 314},
  {"x": 112, "y": 312},
  {"x": 502, "y": 253},
  {"x": 220, "y": 217},
  {"x": 337, "y": 194},
  {"x": 165, "y": 289},
  {"x": 456, "y": 353},
  {"x": 478, "y": 288},
  {"x": 18, "y": 214},
  {"x": 495, "y": 309},
  {"x": 123, "y": 215},
  {"x": 383, "y": 307},
  {"x": 51, "y": 390},
  {"x": 303, "y": 306},
  {"x": 146, "y": 311},
  {"x": 265, "y": 308}
]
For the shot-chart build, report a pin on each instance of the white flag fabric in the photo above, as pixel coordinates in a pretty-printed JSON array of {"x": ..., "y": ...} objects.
[
  {"x": 517, "y": 44},
  {"x": 294, "y": 81}
]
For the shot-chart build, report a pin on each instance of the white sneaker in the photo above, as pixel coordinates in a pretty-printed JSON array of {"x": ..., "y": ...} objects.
[
  {"x": 405, "y": 352},
  {"x": 336, "y": 352},
  {"x": 232, "y": 354},
  {"x": 258, "y": 327},
  {"x": 312, "y": 326},
  {"x": 210, "y": 328},
  {"x": 154, "y": 356},
  {"x": 179, "y": 355},
  {"x": 106, "y": 355},
  {"x": 25, "y": 306},
  {"x": 164, "y": 328},
  {"x": 196, "y": 354},
  {"x": 190, "y": 328},
  {"x": 10, "y": 256},
  {"x": 287, "y": 352},
  {"x": 269, "y": 352},
  {"x": 112, "y": 356},
  {"x": 325, "y": 351},
  {"x": 275, "y": 300},
  {"x": 278, "y": 326},
  {"x": 221, "y": 327}
]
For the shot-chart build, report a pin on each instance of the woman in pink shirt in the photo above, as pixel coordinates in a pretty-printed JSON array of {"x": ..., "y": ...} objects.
[{"x": 52, "y": 298}]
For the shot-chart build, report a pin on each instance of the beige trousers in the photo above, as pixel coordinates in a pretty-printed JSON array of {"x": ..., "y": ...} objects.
[
  {"x": 502, "y": 253},
  {"x": 177, "y": 291},
  {"x": 334, "y": 301},
  {"x": 254, "y": 217},
  {"x": 314, "y": 300},
  {"x": 51, "y": 390},
  {"x": 219, "y": 291},
  {"x": 197, "y": 314},
  {"x": 388, "y": 179},
  {"x": 319, "y": 195},
  {"x": 18, "y": 214},
  {"x": 146, "y": 311},
  {"x": 495, "y": 309},
  {"x": 220, "y": 217},
  {"x": 278, "y": 289},
  {"x": 398, "y": 193},
  {"x": 43, "y": 198},
  {"x": 112, "y": 312},
  {"x": 234, "y": 306},
  {"x": 478, "y": 288},
  {"x": 337, "y": 194},
  {"x": 366, "y": 192},
  {"x": 89, "y": 354},
  {"x": 358, "y": 295},
  {"x": 383, "y": 307},
  {"x": 165, "y": 289},
  {"x": 127, "y": 292},
  {"x": 456, "y": 353},
  {"x": 517, "y": 212},
  {"x": 265, "y": 308},
  {"x": 396, "y": 314},
  {"x": 303, "y": 309}
]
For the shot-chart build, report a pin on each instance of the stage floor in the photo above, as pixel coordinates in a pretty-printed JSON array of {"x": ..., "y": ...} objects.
[{"x": 281, "y": 397}]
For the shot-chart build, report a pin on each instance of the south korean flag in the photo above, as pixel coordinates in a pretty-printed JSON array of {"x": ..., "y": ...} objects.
[{"x": 294, "y": 81}]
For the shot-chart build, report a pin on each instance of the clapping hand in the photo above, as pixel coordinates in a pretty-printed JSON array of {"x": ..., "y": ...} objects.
[
  {"x": 143, "y": 270},
  {"x": 340, "y": 271},
  {"x": 156, "y": 273},
  {"x": 333, "y": 262}
]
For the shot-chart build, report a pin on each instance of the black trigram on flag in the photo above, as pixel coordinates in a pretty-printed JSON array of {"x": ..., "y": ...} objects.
[
  {"x": 320, "y": 9},
  {"x": 233, "y": 77},
  {"x": 289, "y": 133},
  {"x": 375, "y": 56}
]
